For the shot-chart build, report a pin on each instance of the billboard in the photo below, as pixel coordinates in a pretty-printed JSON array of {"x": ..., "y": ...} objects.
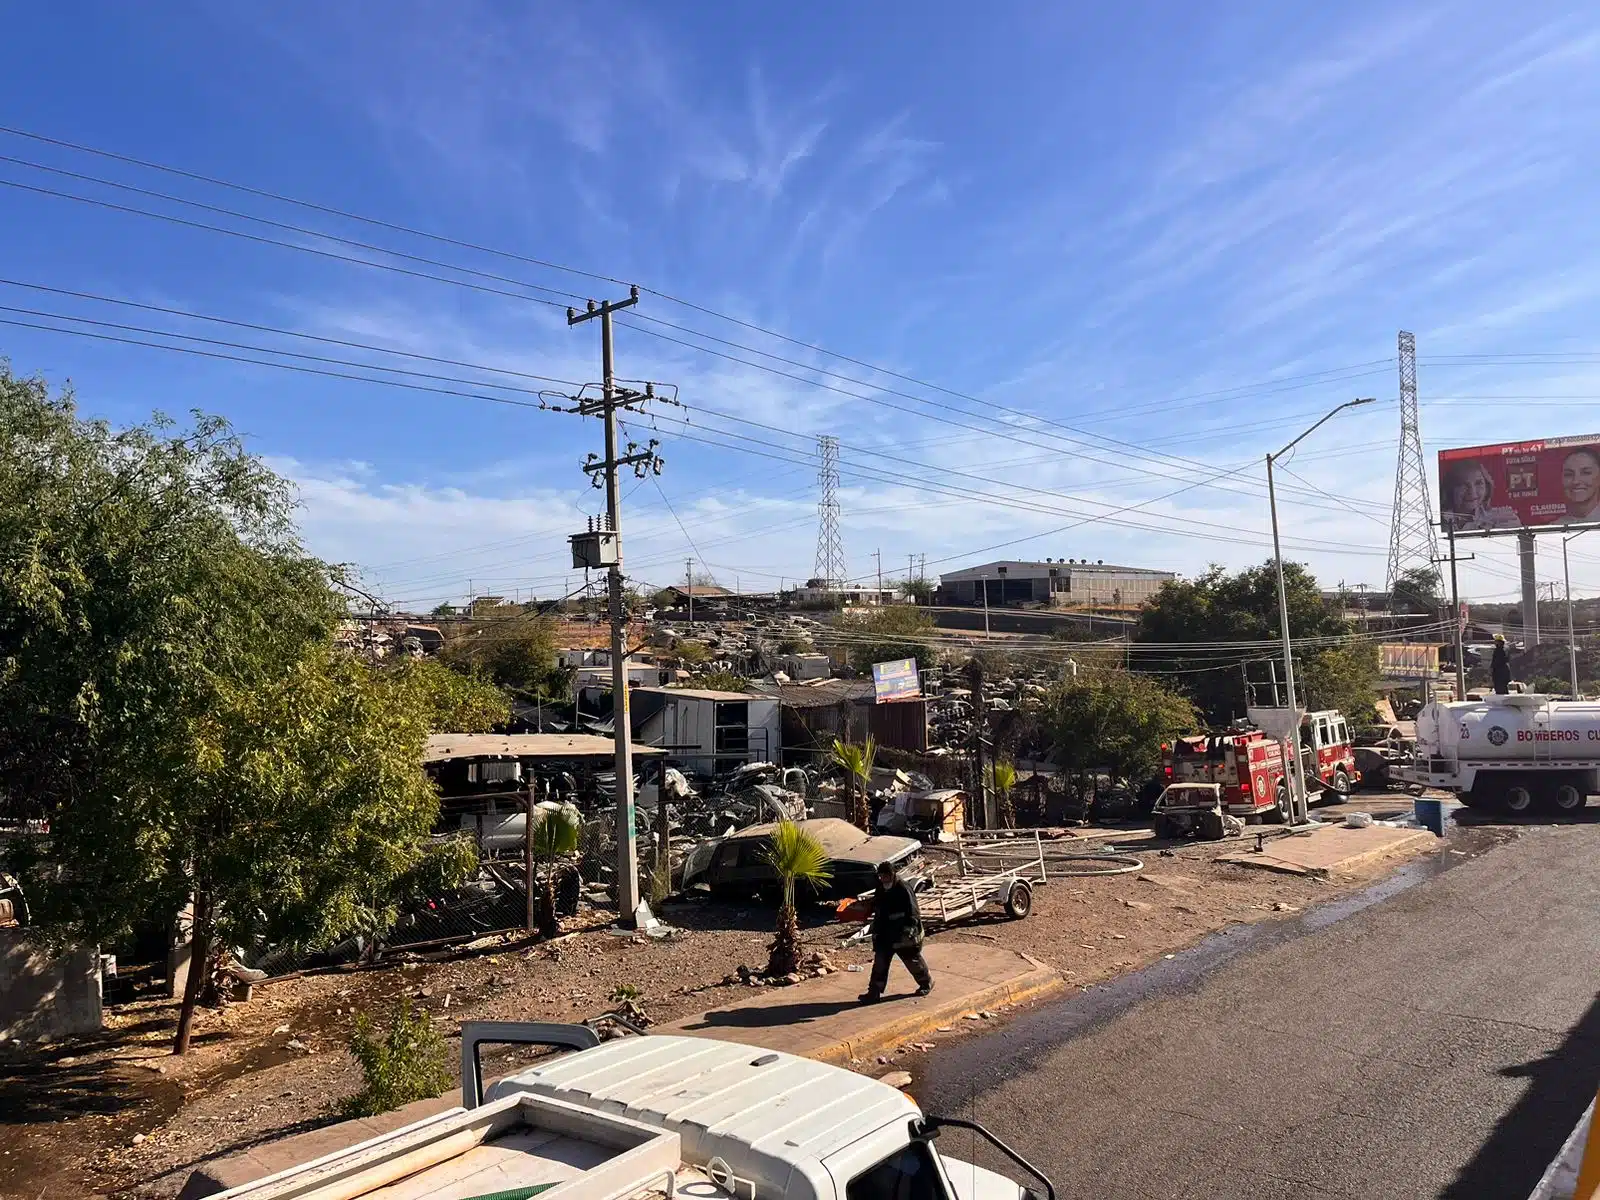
[
  {"x": 897, "y": 680},
  {"x": 1408, "y": 660},
  {"x": 1518, "y": 485}
]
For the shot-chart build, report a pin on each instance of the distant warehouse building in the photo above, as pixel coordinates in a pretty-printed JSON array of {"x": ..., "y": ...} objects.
[{"x": 1060, "y": 583}]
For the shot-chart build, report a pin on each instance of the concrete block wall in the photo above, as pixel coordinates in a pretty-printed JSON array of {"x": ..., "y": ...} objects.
[{"x": 46, "y": 996}]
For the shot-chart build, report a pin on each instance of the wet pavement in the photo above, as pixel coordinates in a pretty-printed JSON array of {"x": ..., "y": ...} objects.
[{"x": 1435, "y": 1034}]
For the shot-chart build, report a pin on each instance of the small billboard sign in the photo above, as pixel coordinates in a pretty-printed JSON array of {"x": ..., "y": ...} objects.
[
  {"x": 897, "y": 680},
  {"x": 1408, "y": 660}
]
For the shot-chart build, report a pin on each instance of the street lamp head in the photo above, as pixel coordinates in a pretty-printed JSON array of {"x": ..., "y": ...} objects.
[{"x": 1364, "y": 400}]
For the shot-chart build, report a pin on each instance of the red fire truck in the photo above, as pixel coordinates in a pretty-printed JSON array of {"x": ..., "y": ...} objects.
[
  {"x": 1246, "y": 762},
  {"x": 1249, "y": 764}
]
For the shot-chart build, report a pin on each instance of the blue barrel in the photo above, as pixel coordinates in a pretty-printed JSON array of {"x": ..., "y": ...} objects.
[{"x": 1430, "y": 815}]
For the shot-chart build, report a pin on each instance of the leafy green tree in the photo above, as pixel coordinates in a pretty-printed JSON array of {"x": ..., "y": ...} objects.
[
  {"x": 691, "y": 653},
  {"x": 722, "y": 681},
  {"x": 1216, "y": 609},
  {"x": 793, "y": 645},
  {"x": 918, "y": 591},
  {"x": 1345, "y": 678},
  {"x": 516, "y": 652},
  {"x": 457, "y": 703},
  {"x": 1116, "y": 720},
  {"x": 1418, "y": 590},
  {"x": 796, "y": 857},
  {"x": 855, "y": 759},
  {"x": 891, "y": 632},
  {"x": 171, "y": 702}
]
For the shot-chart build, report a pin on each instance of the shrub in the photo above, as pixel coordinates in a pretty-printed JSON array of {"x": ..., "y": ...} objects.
[{"x": 409, "y": 1062}]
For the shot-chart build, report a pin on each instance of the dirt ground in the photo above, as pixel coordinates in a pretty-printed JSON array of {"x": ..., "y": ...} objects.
[{"x": 118, "y": 1115}]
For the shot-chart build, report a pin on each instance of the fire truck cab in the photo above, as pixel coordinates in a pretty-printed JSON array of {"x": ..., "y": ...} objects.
[{"x": 1327, "y": 754}]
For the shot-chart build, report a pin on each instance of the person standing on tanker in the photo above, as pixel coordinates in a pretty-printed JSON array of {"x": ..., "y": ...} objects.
[
  {"x": 896, "y": 930},
  {"x": 1580, "y": 484},
  {"x": 1500, "y": 666}
]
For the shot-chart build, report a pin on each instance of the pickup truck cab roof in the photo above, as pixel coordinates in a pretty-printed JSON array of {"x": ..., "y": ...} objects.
[{"x": 775, "y": 1119}]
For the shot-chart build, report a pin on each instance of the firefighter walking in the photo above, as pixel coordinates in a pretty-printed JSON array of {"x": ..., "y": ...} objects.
[{"x": 896, "y": 931}]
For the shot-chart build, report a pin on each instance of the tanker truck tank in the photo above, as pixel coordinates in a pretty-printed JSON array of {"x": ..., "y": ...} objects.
[{"x": 1513, "y": 751}]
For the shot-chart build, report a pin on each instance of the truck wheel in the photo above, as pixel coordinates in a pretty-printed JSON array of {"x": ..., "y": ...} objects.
[
  {"x": 1567, "y": 797},
  {"x": 1019, "y": 900},
  {"x": 1278, "y": 814},
  {"x": 1341, "y": 784},
  {"x": 1162, "y": 827},
  {"x": 1517, "y": 798}
]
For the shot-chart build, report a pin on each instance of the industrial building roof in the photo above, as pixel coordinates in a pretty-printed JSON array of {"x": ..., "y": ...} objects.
[
  {"x": 445, "y": 747},
  {"x": 1018, "y": 567}
]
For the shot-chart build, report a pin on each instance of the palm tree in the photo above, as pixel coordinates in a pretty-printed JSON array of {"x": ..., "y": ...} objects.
[
  {"x": 797, "y": 857},
  {"x": 856, "y": 759},
  {"x": 555, "y": 836},
  {"x": 1003, "y": 777}
]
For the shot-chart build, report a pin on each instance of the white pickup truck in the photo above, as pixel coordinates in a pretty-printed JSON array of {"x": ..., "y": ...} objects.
[{"x": 654, "y": 1117}]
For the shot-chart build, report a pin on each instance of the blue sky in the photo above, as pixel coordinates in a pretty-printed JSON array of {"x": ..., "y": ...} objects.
[{"x": 1112, "y": 257}]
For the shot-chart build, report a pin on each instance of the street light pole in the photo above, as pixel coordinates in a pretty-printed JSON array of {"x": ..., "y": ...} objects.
[
  {"x": 1572, "y": 639},
  {"x": 1298, "y": 805},
  {"x": 985, "y": 608}
]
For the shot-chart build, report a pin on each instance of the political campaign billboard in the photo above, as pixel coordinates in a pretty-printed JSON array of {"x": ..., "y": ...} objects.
[
  {"x": 1520, "y": 485},
  {"x": 897, "y": 680}
]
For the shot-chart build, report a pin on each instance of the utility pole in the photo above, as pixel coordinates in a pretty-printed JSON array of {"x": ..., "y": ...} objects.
[
  {"x": 1455, "y": 615},
  {"x": 1298, "y": 801},
  {"x": 608, "y": 552},
  {"x": 688, "y": 585},
  {"x": 1572, "y": 638},
  {"x": 878, "y": 555}
]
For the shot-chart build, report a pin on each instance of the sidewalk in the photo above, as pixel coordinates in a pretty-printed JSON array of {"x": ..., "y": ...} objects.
[
  {"x": 821, "y": 1018},
  {"x": 1328, "y": 849},
  {"x": 818, "y": 1018}
]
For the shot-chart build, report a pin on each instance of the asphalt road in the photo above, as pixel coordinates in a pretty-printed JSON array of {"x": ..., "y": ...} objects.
[{"x": 1439, "y": 1036}]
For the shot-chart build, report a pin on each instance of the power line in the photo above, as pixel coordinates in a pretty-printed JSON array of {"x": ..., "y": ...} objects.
[
  {"x": 1006, "y": 430},
  {"x": 294, "y": 333}
]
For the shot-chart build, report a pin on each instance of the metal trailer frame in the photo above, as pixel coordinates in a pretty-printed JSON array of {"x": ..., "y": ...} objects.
[{"x": 954, "y": 899}]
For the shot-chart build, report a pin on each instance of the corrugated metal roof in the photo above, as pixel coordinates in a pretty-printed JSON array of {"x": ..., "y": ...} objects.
[
  {"x": 761, "y": 1111},
  {"x": 444, "y": 747},
  {"x": 824, "y": 692}
]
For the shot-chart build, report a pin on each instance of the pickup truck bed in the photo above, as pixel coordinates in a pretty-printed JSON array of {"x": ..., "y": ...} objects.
[{"x": 511, "y": 1149}]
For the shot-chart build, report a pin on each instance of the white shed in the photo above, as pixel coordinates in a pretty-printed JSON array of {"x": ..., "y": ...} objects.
[{"x": 707, "y": 732}]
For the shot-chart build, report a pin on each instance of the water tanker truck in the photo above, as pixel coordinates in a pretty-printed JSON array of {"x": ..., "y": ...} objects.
[{"x": 1518, "y": 753}]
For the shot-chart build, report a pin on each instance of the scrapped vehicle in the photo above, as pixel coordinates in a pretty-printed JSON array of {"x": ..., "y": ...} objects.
[
  {"x": 656, "y": 1117},
  {"x": 929, "y": 816},
  {"x": 1194, "y": 810},
  {"x": 736, "y": 866}
]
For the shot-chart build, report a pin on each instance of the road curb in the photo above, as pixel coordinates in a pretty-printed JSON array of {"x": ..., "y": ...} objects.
[{"x": 1031, "y": 985}]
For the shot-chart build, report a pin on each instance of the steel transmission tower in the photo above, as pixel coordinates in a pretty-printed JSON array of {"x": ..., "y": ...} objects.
[
  {"x": 1412, "y": 540},
  {"x": 830, "y": 546}
]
